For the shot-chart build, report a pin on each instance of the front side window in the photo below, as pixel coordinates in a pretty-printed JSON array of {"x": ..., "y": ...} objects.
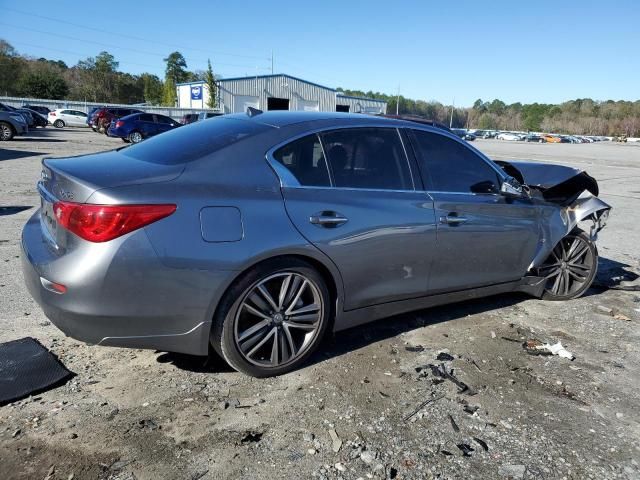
[
  {"x": 305, "y": 160},
  {"x": 449, "y": 166},
  {"x": 369, "y": 158}
]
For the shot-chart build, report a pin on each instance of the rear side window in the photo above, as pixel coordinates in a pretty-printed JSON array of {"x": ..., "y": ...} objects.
[
  {"x": 145, "y": 118},
  {"x": 191, "y": 142},
  {"x": 370, "y": 158},
  {"x": 305, "y": 160},
  {"x": 163, "y": 119},
  {"x": 449, "y": 166}
]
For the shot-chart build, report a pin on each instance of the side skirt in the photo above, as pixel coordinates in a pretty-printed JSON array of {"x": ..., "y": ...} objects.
[{"x": 531, "y": 285}]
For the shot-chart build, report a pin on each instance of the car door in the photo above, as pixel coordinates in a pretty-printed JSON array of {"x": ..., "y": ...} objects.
[
  {"x": 67, "y": 117},
  {"x": 79, "y": 118},
  {"x": 144, "y": 124},
  {"x": 350, "y": 192},
  {"x": 483, "y": 237},
  {"x": 163, "y": 123}
]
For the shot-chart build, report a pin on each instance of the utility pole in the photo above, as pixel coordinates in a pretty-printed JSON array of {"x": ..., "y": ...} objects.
[
  {"x": 398, "y": 101},
  {"x": 451, "y": 118}
]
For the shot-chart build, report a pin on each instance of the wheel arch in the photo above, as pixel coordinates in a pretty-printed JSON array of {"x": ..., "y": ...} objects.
[
  {"x": 13, "y": 129},
  {"x": 327, "y": 270}
]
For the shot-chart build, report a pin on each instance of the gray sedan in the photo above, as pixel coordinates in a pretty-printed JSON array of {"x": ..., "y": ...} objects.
[{"x": 256, "y": 234}]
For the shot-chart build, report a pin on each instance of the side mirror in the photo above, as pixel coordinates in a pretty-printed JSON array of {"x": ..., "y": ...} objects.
[{"x": 511, "y": 188}]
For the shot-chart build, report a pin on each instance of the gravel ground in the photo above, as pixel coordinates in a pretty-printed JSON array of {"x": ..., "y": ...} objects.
[{"x": 372, "y": 403}]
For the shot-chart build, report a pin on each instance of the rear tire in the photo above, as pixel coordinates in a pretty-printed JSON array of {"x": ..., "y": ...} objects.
[
  {"x": 570, "y": 268},
  {"x": 135, "y": 137},
  {"x": 272, "y": 318},
  {"x": 58, "y": 124},
  {"x": 6, "y": 132}
]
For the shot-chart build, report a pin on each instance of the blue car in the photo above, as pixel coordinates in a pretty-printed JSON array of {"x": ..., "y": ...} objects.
[{"x": 138, "y": 126}]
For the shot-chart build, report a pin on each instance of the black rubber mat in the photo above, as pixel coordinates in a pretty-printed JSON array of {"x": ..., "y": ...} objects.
[{"x": 26, "y": 368}]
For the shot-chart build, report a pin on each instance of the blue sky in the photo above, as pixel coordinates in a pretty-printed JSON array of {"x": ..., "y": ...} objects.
[{"x": 545, "y": 51}]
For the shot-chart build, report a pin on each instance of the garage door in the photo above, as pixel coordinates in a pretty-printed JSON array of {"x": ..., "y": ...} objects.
[
  {"x": 242, "y": 102},
  {"x": 307, "y": 105}
]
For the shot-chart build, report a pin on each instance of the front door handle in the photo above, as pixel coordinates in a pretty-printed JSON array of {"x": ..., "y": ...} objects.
[
  {"x": 328, "y": 219},
  {"x": 453, "y": 219}
]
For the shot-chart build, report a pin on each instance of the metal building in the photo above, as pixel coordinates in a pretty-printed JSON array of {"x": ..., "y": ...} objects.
[{"x": 275, "y": 92}]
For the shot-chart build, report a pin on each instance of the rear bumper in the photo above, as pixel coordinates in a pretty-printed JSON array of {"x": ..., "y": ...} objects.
[{"x": 119, "y": 294}]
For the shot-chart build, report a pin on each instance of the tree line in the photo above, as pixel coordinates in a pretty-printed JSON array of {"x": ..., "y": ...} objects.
[
  {"x": 98, "y": 79},
  {"x": 580, "y": 117},
  {"x": 95, "y": 79}
]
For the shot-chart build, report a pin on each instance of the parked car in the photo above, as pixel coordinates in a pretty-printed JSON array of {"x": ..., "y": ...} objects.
[
  {"x": 188, "y": 118},
  {"x": 508, "y": 136},
  {"x": 38, "y": 119},
  {"x": 256, "y": 234},
  {"x": 463, "y": 134},
  {"x": 550, "y": 138},
  {"x": 11, "y": 124},
  {"x": 64, "y": 117},
  {"x": 103, "y": 116},
  {"x": 532, "y": 137},
  {"x": 40, "y": 109},
  {"x": 205, "y": 115},
  {"x": 25, "y": 115},
  {"x": 139, "y": 126},
  {"x": 90, "y": 116}
]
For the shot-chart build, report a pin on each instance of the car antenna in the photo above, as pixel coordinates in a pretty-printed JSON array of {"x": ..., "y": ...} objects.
[{"x": 252, "y": 112}]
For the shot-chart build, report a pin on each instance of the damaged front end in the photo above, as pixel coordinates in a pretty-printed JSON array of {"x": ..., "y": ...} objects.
[{"x": 567, "y": 197}]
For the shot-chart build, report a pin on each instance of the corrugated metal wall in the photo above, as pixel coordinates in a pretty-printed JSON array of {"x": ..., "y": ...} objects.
[
  {"x": 236, "y": 94},
  {"x": 362, "y": 105}
]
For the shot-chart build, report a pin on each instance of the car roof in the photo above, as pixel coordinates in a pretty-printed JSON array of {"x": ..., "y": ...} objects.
[{"x": 283, "y": 118}]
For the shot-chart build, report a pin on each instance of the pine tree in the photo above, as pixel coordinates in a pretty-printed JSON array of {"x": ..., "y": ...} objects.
[{"x": 210, "y": 80}]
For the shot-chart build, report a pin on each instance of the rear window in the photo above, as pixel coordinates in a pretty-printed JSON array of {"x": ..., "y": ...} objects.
[{"x": 191, "y": 142}]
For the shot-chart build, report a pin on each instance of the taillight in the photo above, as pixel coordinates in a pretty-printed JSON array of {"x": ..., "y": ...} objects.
[
  {"x": 119, "y": 123},
  {"x": 101, "y": 223}
]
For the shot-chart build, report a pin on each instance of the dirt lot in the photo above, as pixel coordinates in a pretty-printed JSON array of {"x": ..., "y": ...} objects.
[{"x": 354, "y": 411}]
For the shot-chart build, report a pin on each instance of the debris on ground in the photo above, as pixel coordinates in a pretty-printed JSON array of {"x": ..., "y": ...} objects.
[
  {"x": 466, "y": 449},
  {"x": 336, "y": 442},
  {"x": 444, "y": 357},
  {"x": 454, "y": 425},
  {"x": 482, "y": 443},
  {"x": 442, "y": 371},
  {"x": 557, "y": 349},
  {"x": 421, "y": 406},
  {"x": 251, "y": 437},
  {"x": 414, "y": 348}
]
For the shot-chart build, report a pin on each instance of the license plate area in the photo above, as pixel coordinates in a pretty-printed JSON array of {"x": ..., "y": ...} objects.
[{"x": 48, "y": 218}]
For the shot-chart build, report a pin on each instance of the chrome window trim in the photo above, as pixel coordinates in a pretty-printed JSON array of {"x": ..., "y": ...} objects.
[{"x": 288, "y": 180}]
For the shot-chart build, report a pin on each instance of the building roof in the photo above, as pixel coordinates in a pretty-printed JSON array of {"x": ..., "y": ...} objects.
[{"x": 252, "y": 77}]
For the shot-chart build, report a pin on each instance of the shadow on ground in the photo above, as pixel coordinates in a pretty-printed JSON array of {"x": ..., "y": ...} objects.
[
  {"x": 610, "y": 274},
  {"x": 12, "y": 210},
  {"x": 9, "y": 154}
]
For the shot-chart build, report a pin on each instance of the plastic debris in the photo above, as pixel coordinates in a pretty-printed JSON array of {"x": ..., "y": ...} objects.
[
  {"x": 454, "y": 425},
  {"x": 557, "y": 349},
  {"x": 421, "y": 406},
  {"x": 482, "y": 443},
  {"x": 444, "y": 357},
  {"x": 466, "y": 449},
  {"x": 442, "y": 372}
]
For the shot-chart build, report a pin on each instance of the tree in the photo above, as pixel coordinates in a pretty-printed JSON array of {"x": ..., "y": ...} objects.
[
  {"x": 169, "y": 93},
  {"x": 44, "y": 85},
  {"x": 210, "y": 80},
  {"x": 176, "y": 68},
  {"x": 152, "y": 88},
  {"x": 99, "y": 76},
  {"x": 12, "y": 67}
]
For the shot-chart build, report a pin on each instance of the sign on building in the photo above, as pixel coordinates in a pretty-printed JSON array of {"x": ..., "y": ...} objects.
[{"x": 196, "y": 92}]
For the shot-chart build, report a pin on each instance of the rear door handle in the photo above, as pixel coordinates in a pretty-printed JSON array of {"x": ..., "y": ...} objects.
[
  {"x": 328, "y": 219},
  {"x": 453, "y": 219}
]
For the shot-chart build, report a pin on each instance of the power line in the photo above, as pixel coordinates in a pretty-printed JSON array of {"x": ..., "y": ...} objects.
[
  {"x": 133, "y": 37},
  {"x": 107, "y": 45}
]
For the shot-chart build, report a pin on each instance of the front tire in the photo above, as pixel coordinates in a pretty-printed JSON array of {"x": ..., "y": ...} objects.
[
  {"x": 570, "y": 268},
  {"x": 272, "y": 318},
  {"x": 58, "y": 124},
  {"x": 6, "y": 132}
]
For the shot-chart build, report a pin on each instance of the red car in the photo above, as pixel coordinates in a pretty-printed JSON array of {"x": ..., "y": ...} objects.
[{"x": 102, "y": 117}]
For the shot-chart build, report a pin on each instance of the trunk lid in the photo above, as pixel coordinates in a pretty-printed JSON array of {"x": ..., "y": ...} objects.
[{"x": 76, "y": 179}]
